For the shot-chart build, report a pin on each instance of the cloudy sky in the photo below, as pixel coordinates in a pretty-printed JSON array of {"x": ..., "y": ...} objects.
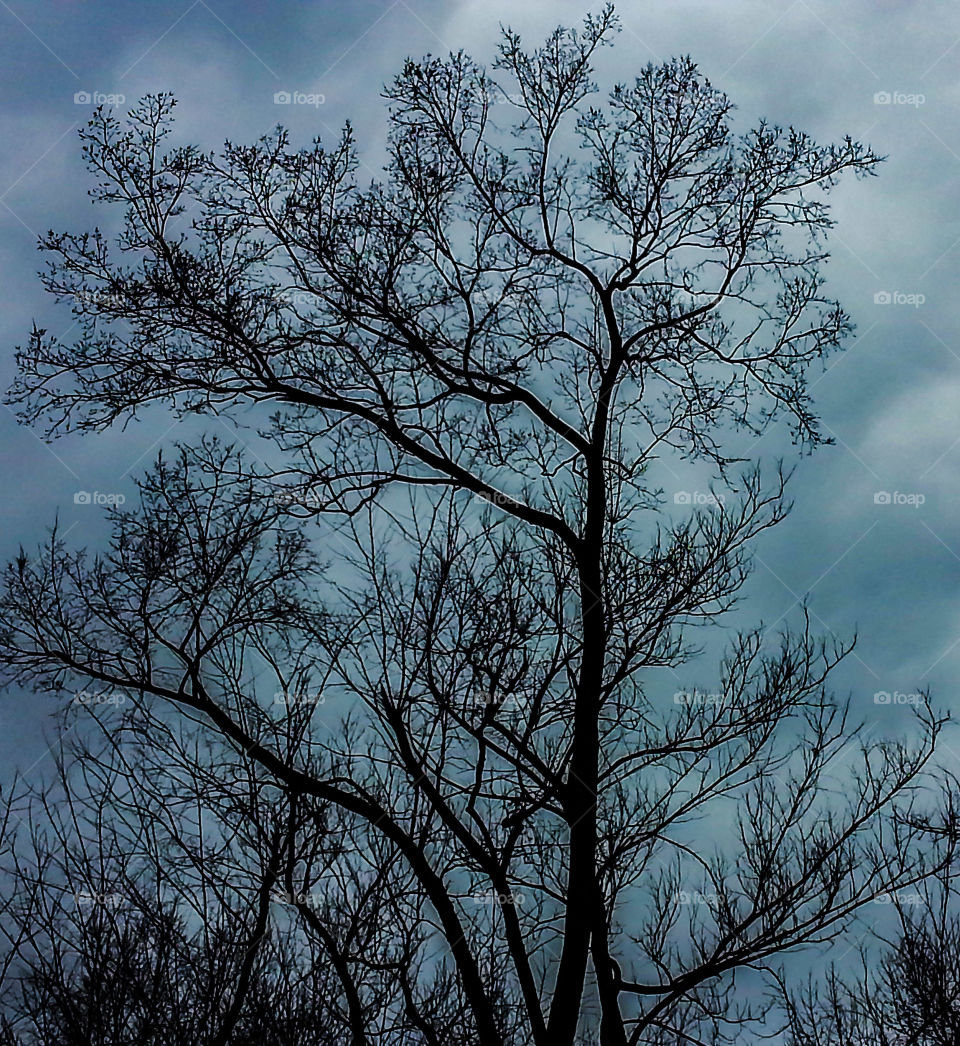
[{"x": 886, "y": 71}]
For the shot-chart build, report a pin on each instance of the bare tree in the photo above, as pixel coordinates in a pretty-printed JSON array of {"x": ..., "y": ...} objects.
[
  {"x": 156, "y": 895},
  {"x": 907, "y": 991},
  {"x": 469, "y": 369}
]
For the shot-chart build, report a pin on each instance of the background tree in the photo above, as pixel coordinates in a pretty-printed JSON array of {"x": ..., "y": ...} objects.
[
  {"x": 474, "y": 364},
  {"x": 906, "y": 992}
]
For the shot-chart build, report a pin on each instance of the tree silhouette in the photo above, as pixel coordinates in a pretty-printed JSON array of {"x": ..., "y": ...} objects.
[
  {"x": 457, "y": 567},
  {"x": 907, "y": 995},
  {"x": 129, "y": 922}
]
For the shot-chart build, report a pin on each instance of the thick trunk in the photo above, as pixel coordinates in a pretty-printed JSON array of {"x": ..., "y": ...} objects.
[
  {"x": 581, "y": 810},
  {"x": 585, "y": 920},
  {"x": 583, "y": 900}
]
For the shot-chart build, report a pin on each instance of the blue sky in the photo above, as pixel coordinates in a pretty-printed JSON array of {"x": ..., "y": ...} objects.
[{"x": 884, "y": 71}]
